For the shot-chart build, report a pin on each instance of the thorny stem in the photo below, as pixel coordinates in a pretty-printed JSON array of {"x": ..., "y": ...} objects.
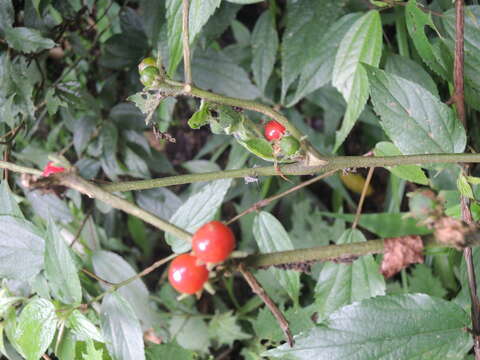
[{"x": 332, "y": 164}]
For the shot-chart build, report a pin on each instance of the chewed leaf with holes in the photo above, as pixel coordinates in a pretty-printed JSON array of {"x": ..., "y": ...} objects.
[{"x": 415, "y": 120}]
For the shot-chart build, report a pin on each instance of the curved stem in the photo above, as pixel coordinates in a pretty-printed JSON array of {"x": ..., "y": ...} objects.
[{"x": 333, "y": 164}]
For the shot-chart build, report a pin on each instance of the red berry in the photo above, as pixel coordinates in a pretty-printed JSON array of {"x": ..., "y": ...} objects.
[
  {"x": 52, "y": 169},
  {"x": 186, "y": 275},
  {"x": 274, "y": 130},
  {"x": 213, "y": 242}
]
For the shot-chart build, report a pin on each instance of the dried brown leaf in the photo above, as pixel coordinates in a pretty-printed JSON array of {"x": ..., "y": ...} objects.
[
  {"x": 451, "y": 232},
  {"x": 400, "y": 252}
]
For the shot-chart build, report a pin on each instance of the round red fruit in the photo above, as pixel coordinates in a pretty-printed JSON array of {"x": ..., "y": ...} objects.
[
  {"x": 274, "y": 130},
  {"x": 52, "y": 169},
  {"x": 213, "y": 242},
  {"x": 186, "y": 275}
]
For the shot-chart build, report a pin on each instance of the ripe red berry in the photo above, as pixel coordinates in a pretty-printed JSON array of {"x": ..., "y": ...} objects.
[
  {"x": 186, "y": 275},
  {"x": 52, "y": 169},
  {"x": 274, "y": 130},
  {"x": 213, "y": 242}
]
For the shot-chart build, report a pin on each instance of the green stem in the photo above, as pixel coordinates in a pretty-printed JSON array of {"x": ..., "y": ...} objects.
[
  {"x": 75, "y": 182},
  {"x": 179, "y": 89},
  {"x": 19, "y": 169},
  {"x": 339, "y": 252},
  {"x": 333, "y": 163}
]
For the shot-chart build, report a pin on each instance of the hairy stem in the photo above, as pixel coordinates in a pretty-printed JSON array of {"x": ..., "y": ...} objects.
[{"x": 332, "y": 164}]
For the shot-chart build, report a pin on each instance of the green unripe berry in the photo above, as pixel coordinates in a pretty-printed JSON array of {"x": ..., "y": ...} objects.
[
  {"x": 149, "y": 75},
  {"x": 289, "y": 145},
  {"x": 149, "y": 61}
]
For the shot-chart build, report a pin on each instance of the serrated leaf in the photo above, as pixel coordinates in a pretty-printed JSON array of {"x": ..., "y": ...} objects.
[
  {"x": 199, "y": 117},
  {"x": 422, "y": 280},
  {"x": 318, "y": 71},
  {"x": 464, "y": 187},
  {"x": 408, "y": 69},
  {"x": 27, "y": 40},
  {"x": 306, "y": 20},
  {"x": 174, "y": 26},
  {"x": 8, "y": 204},
  {"x": 271, "y": 237},
  {"x": 415, "y": 120},
  {"x": 225, "y": 330},
  {"x": 430, "y": 328},
  {"x": 23, "y": 258},
  {"x": 82, "y": 327},
  {"x": 169, "y": 351},
  {"x": 264, "y": 48},
  {"x": 417, "y": 20},
  {"x": 60, "y": 269},
  {"x": 200, "y": 12},
  {"x": 361, "y": 44},
  {"x": 92, "y": 353},
  {"x": 214, "y": 70},
  {"x": 190, "y": 332},
  {"x": 35, "y": 328},
  {"x": 115, "y": 269},
  {"x": 342, "y": 284},
  {"x": 121, "y": 329},
  {"x": 199, "y": 209},
  {"x": 411, "y": 173}
]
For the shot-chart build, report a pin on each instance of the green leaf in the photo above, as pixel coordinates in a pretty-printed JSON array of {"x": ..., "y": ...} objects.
[
  {"x": 200, "y": 117},
  {"x": 23, "y": 258},
  {"x": 92, "y": 353},
  {"x": 415, "y": 120},
  {"x": 214, "y": 70},
  {"x": 121, "y": 329},
  {"x": 318, "y": 71},
  {"x": 60, "y": 269},
  {"x": 361, "y": 44},
  {"x": 115, "y": 269},
  {"x": 464, "y": 187},
  {"x": 169, "y": 351},
  {"x": 386, "y": 327},
  {"x": 342, "y": 284},
  {"x": 160, "y": 201},
  {"x": 48, "y": 205},
  {"x": 264, "y": 48},
  {"x": 260, "y": 147},
  {"x": 386, "y": 224},
  {"x": 200, "y": 12},
  {"x": 7, "y": 16},
  {"x": 190, "y": 332},
  {"x": 408, "y": 69},
  {"x": 199, "y": 209},
  {"x": 82, "y": 327},
  {"x": 422, "y": 280},
  {"x": 417, "y": 20},
  {"x": 306, "y": 21},
  {"x": 27, "y": 40},
  {"x": 245, "y": 1},
  {"x": 413, "y": 173},
  {"x": 8, "y": 204},
  {"x": 271, "y": 237},
  {"x": 225, "y": 330},
  {"x": 174, "y": 26},
  {"x": 35, "y": 328}
]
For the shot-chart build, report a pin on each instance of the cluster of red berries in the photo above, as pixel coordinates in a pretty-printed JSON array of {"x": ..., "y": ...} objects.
[
  {"x": 211, "y": 244},
  {"x": 50, "y": 169}
]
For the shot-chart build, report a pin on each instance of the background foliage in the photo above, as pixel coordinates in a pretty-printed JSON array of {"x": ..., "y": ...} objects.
[{"x": 353, "y": 76}]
